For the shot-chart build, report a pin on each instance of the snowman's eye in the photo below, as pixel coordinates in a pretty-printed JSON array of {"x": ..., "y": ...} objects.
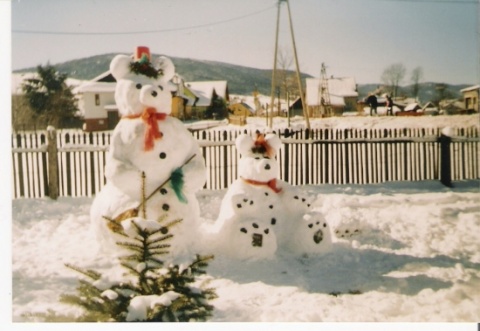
[
  {"x": 266, "y": 157},
  {"x": 257, "y": 158},
  {"x": 160, "y": 87},
  {"x": 138, "y": 86}
]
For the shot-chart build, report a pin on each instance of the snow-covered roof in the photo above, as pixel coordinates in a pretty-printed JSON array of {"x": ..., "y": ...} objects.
[
  {"x": 470, "y": 88},
  {"x": 412, "y": 106},
  {"x": 204, "y": 91},
  {"x": 338, "y": 89},
  {"x": 93, "y": 86}
]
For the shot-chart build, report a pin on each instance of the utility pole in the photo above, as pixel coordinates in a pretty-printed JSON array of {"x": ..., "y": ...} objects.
[
  {"x": 299, "y": 81},
  {"x": 272, "y": 94}
]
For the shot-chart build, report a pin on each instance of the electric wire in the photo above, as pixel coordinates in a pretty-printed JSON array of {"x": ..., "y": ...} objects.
[{"x": 144, "y": 31}]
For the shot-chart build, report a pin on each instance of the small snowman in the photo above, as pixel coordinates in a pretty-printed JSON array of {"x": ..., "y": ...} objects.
[
  {"x": 147, "y": 141},
  {"x": 260, "y": 214}
]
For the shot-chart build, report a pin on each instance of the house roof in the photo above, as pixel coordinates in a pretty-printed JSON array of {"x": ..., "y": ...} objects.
[
  {"x": 470, "y": 88},
  {"x": 204, "y": 91},
  {"x": 429, "y": 105},
  {"x": 338, "y": 88},
  {"x": 412, "y": 106},
  {"x": 94, "y": 86}
]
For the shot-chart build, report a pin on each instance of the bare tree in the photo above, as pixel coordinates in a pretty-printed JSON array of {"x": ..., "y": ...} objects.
[
  {"x": 392, "y": 76},
  {"x": 285, "y": 76},
  {"x": 417, "y": 76}
]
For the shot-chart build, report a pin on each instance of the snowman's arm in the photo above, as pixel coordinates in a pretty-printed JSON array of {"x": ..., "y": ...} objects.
[
  {"x": 194, "y": 173},
  {"x": 121, "y": 172}
]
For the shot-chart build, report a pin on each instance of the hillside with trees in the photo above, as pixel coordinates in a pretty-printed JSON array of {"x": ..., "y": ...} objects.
[{"x": 243, "y": 80}]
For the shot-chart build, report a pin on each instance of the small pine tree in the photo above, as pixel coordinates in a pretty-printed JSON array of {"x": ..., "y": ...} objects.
[
  {"x": 49, "y": 96},
  {"x": 152, "y": 292}
]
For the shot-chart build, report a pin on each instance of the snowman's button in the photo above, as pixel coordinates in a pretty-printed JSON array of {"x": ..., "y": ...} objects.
[
  {"x": 163, "y": 191},
  {"x": 162, "y": 155},
  {"x": 165, "y": 207},
  {"x": 273, "y": 221},
  {"x": 266, "y": 194},
  {"x": 271, "y": 206}
]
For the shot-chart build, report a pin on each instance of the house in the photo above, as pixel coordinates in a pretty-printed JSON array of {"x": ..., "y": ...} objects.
[
  {"x": 208, "y": 96},
  {"x": 430, "y": 109},
  {"x": 241, "y": 109},
  {"x": 452, "y": 107},
  {"x": 412, "y": 107},
  {"x": 96, "y": 101},
  {"x": 342, "y": 93},
  {"x": 471, "y": 98}
]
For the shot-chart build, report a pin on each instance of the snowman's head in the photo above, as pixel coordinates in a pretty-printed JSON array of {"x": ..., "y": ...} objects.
[
  {"x": 142, "y": 83},
  {"x": 258, "y": 156}
]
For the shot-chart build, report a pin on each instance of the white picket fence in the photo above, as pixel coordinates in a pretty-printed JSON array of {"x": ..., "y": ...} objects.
[{"x": 323, "y": 156}]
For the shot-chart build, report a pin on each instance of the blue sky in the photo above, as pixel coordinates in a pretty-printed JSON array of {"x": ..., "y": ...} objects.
[{"x": 358, "y": 38}]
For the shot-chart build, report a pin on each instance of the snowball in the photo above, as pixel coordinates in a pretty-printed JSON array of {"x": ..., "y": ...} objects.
[
  {"x": 137, "y": 310},
  {"x": 447, "y": 131},
  {"x": 109, "y": 294}
]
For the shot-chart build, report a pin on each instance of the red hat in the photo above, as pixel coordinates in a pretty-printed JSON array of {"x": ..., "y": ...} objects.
[{"x": 142, "y": 54}]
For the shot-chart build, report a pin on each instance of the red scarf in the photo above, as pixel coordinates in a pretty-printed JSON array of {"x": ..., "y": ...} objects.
[
  {"x": 150, "y": 117},
  {"x": 271, "y": 184}
]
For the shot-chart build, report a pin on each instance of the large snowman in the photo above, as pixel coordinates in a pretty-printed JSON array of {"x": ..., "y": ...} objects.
[
  {"x": 151, "y": 155},
  {"x": 260, "y": 215}
]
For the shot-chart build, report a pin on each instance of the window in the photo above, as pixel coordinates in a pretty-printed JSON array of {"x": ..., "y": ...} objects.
[{"x": 97, "y": 99}]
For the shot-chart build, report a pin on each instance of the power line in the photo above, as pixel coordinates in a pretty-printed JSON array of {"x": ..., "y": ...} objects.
[
  {"x": 460, "y": 2},
  {"x": 146, "y": 31}
]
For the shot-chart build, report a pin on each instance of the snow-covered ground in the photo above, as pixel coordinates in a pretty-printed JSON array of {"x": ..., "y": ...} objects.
[
  {"x": 416, "y": 260},
  {"x": 370, "y": 122}
]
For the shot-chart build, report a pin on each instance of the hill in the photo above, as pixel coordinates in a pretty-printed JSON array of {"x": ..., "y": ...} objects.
[{"x": 241, "y": 80}]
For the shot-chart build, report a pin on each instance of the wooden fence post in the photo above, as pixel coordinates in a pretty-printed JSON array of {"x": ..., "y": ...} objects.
[
  {"x": 445, "y": 169},
  {"x": 52, "y": 163}
]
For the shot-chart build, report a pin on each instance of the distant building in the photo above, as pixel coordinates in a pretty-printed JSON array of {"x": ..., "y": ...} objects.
[
  {"x": 205, "y": 95},
  {"x": 241, "y": 109},
  {"x": 342, "y": 93},
  {"x": 471, "y": 98},
  {"x": 96, "y": 101}
]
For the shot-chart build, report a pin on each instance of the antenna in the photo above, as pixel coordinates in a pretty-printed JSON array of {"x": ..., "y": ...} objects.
[{"x": 324, "y": 95}]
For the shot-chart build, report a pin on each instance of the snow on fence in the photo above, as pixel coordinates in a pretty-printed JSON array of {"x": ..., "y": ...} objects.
[{"x": 318, "y": 156}]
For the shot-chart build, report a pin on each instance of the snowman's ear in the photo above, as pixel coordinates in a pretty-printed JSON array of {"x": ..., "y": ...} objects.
[
  {"x": 166, "y": 67},
  {"x": 120, "y": 66},
  {"x": 273, "y": 141},
  {"x": 244, "y": 143}
]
